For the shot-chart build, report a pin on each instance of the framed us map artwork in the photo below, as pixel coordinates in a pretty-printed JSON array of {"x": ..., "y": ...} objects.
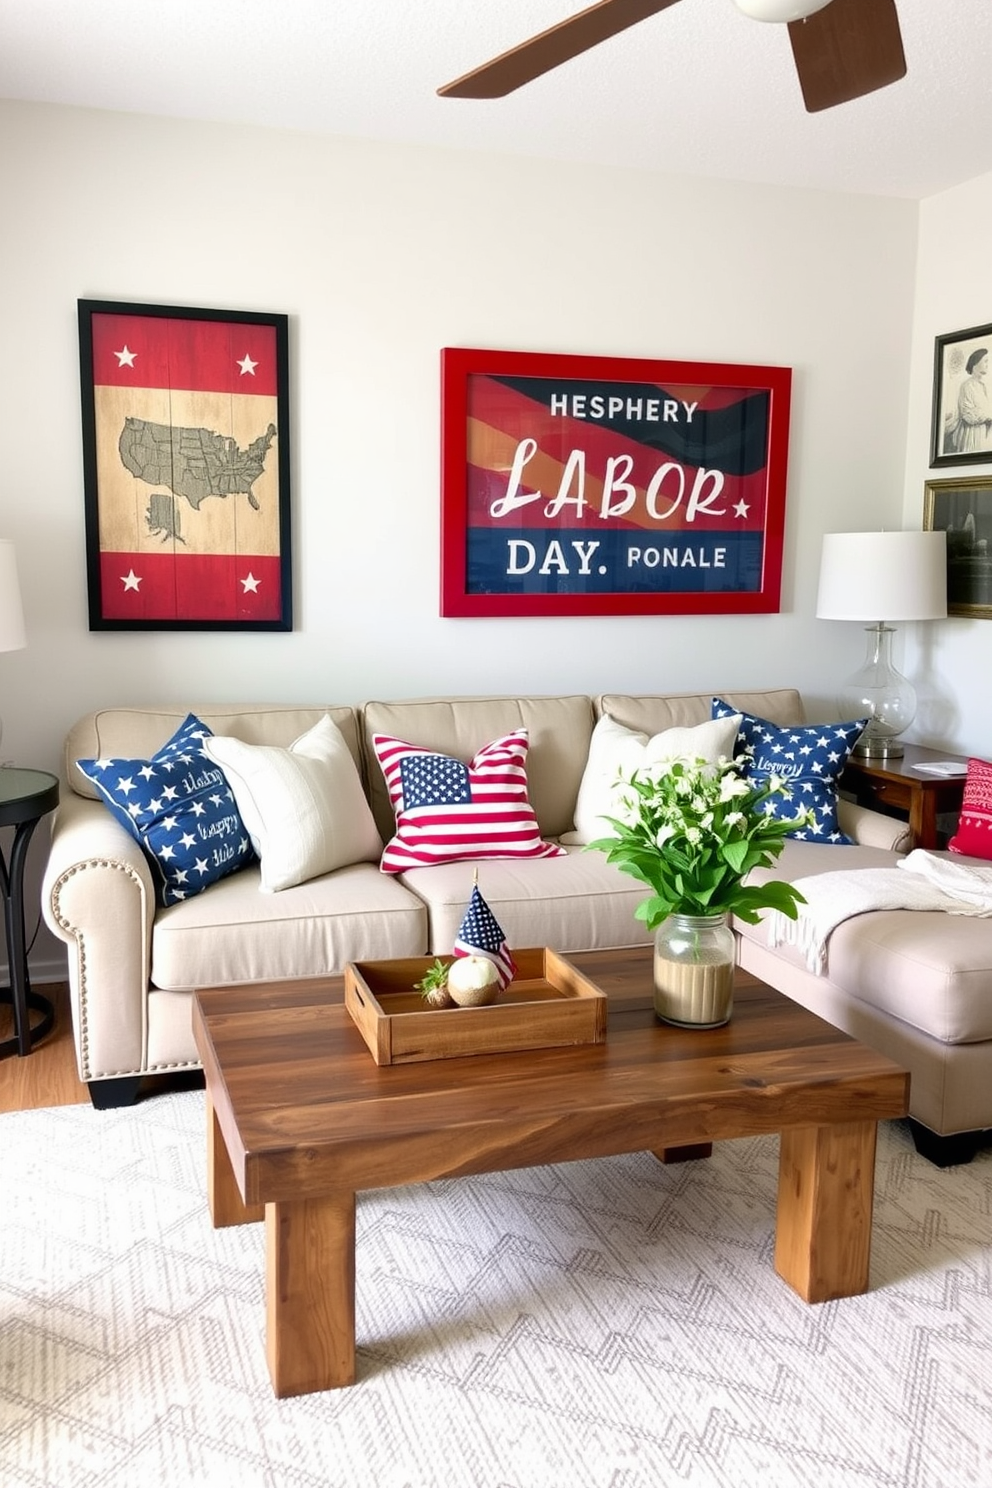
[
  {"x": 186, "y": 467},
  {"x": 592, "y": 485}
]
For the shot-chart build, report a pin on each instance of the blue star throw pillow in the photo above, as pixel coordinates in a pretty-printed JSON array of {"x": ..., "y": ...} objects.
[
  {"x": 180, "y": 808},
  {"x": 809, "y": 758}
]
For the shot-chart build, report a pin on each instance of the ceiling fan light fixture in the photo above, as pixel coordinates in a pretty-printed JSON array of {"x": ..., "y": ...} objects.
[{"x": 780, "y": 10}]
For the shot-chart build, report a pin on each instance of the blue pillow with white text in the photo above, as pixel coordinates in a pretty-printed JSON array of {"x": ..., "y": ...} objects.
[
  {"x": 808, "y": 758},
  {"x": 179, "y": 807}
]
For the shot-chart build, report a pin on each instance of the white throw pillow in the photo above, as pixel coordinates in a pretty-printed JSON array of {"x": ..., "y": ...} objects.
[
  {"x": 304, "y": 806},
  {"x": 615, "y": 750}
]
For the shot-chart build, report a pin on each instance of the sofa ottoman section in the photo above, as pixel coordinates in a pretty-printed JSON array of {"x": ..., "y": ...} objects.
[{"x": 916, "y": 986}]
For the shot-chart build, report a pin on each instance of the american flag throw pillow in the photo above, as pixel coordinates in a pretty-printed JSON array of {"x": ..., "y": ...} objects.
[{"x": 447, "y": 811}]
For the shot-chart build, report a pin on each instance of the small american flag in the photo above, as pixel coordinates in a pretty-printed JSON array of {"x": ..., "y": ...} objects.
[{"x": 480, "y": 935}]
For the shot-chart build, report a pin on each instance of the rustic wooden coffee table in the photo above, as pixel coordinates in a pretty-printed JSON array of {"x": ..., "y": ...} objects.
[{"x": 299, "y": 1117}]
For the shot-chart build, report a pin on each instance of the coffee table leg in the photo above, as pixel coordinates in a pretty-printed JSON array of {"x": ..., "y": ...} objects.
[
  {"x": 310, "y": 1294},
  {"x": 826, "y": 1182},
  {"x": 688, "y": 1152},
  {"x": 223, "y": 1195}
]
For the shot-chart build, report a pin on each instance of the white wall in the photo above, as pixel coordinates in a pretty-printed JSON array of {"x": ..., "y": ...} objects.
[
  {"x": 382, "y": 255},
  {"x": 951, "y": 660}
]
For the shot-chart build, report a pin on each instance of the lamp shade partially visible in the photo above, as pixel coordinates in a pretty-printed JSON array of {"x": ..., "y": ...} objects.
[
  {"x": 874, "y": 576},
  {"x": 780, "y": 10},
  {"x": 12, "y": 637}
]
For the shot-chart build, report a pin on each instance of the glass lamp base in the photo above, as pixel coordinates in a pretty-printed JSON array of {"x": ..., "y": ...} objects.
[
  {"x": 877, "y": 748},
  {"x": 882, "y": 695}
]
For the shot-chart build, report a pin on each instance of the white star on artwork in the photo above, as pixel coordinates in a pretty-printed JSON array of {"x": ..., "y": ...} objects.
[
  {"x": 125, "y": 358},
  {"x": 247, "y": 365},
  {"x": 130, "y": 581},
  {"x": 741, "y": 509},
  {"x": 250, "y": 583}
]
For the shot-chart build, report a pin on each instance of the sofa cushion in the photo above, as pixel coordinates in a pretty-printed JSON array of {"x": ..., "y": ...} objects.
[
  {"x": 579, "y": 902},
  {"x": 809, "y": 758},
  {"x": 304, "y": 806},
  {"x": 237, "y": 934},
  {"x": 558, "y": 729},
  {"x": 448, "y": 811},
  {"x": 180, "y": 809},
  {"x": 653, "y": 712},
  {"x": 615, "y": 751},
  {"x": 129, "y": 732},
  {"x": 974, "y": 830}
]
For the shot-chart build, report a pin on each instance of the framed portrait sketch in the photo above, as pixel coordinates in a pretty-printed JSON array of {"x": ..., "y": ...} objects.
[
  {"x": 961, "y": 427},
  {"x": 186, "y": 467},
  {"x": 590, "y": 485},
  {"x": 963, "y": 510}
]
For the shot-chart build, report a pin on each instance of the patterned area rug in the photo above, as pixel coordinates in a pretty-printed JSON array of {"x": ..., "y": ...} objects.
[{"x": 616, "y": 1324}]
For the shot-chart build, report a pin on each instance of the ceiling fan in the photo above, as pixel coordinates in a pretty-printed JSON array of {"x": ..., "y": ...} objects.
[{"x": 842, "y": 48}]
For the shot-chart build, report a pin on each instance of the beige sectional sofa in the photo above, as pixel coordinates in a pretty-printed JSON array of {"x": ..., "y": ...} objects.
[{"x": 133, "y": 964}]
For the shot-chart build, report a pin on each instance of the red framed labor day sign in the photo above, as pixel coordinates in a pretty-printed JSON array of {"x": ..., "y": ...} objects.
[
  {"x": 186, "y": 467},
  {"x": 575, "y": 485}
]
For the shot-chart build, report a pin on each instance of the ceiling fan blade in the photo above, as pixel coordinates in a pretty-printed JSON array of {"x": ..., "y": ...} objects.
[
  {"x": 846, "y": 50},
  {"x": 550, "y": 48}
]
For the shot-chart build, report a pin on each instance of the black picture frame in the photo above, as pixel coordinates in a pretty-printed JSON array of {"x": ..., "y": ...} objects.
[
  {"x": 962, "y": 508},
  {"x": 185, "y": 422},
  {"x": 957, "y": 436}
]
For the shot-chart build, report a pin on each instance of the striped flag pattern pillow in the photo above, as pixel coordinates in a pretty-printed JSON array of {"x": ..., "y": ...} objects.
[{"x": 447, "y": 811}]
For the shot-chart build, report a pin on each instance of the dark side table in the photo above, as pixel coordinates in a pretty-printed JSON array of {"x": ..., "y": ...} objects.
[
  {"x": 25, "y": 797},
  {"x": 895, "y": 783}
]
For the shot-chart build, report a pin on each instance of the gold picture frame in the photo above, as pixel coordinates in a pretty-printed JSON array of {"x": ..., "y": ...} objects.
[{"x": 962, "y": 509}]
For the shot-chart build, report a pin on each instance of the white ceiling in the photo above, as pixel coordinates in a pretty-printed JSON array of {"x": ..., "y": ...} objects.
[{"x": 697, "y": 90}]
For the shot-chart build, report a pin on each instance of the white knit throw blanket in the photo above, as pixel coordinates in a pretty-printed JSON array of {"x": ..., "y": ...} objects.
[{"x": 919, "y": 881}]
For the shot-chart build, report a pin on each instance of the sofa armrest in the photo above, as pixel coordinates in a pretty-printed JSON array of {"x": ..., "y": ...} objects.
[
  {"x": 873, "y": 828},
  {"x": 98, "y": 897}
]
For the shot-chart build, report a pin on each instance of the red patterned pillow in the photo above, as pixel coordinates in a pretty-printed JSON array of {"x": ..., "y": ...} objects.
[
  {"x": 974, "y": 833},
  {"x": 447, "y": 811}
]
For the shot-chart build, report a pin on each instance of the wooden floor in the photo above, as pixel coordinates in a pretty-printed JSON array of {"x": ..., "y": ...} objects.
[{"x": 47, "y": 1076}]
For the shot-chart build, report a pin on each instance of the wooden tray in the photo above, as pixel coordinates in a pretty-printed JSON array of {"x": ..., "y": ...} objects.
[{"x": 548, "y": 1003}]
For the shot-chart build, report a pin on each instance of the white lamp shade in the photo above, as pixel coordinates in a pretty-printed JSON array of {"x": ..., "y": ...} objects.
[
  {"x": 12, "y": 637},
  {"x": 881, "y": 576}
]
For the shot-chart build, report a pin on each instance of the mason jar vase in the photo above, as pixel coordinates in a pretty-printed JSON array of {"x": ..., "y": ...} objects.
[{"x": 694, "y": 960}]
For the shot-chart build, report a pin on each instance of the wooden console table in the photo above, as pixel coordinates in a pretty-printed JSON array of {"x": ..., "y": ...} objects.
[{"x": 894, "y": 782}]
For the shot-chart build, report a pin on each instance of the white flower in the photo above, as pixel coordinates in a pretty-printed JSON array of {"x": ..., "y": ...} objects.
[{"x": 731, "y": 785}]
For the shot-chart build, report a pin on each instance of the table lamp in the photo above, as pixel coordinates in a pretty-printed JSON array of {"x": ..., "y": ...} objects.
[
  {"x": 881, "y": 577},
  {"x": 12, "y": 637}
]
